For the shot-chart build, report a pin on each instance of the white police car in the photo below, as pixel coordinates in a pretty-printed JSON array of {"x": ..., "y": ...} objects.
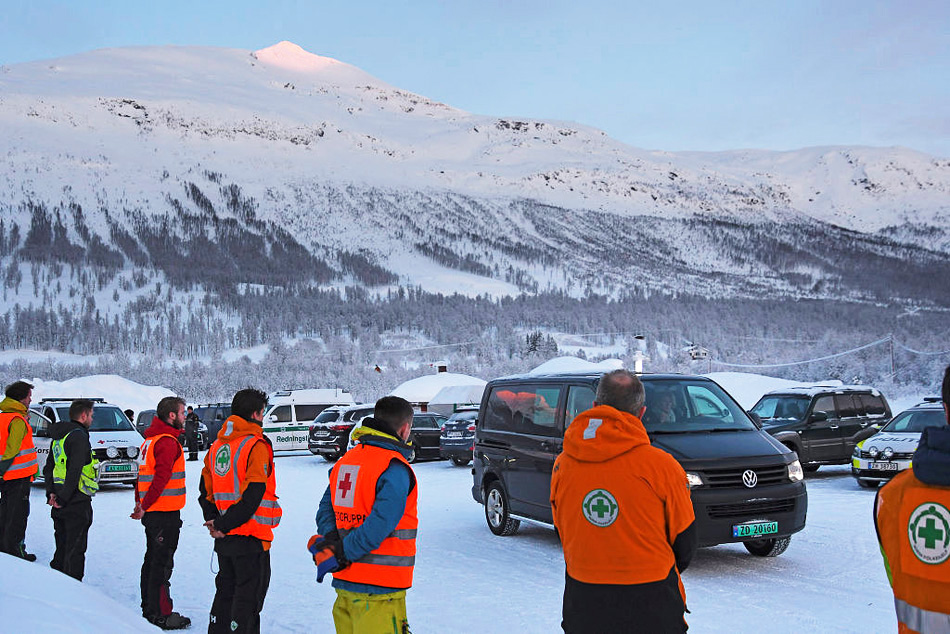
[{"x": 880, "y": 457}]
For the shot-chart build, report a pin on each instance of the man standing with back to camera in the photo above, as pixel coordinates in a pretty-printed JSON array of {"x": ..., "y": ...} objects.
[
  {"x": 239, "y": 500},
  {"x": 912, "y": 518},
  {"x": 624, "y": 515},
  {"x": 18, "y": 465}
]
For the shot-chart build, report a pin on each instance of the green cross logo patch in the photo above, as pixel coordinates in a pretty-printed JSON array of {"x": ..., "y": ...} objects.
[
  {"x": 929, "y": 532},
  {"x": 600, "y": 508},
  {"x": 222, "y": 460}
]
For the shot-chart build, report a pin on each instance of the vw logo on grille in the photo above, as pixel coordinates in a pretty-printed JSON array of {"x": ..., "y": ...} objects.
[{"x": 749, "y": 478}]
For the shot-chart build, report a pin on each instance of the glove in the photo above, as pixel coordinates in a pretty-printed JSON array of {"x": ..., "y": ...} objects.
[{"x": 327, "y": 554}]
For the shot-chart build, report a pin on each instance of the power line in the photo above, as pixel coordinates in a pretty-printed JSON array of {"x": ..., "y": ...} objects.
[
  {"x": 900, "y": 345},
  {"x": 825, "y": 358}
]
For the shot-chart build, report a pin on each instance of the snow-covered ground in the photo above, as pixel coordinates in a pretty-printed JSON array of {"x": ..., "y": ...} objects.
[{"x": 831, "y": 579}]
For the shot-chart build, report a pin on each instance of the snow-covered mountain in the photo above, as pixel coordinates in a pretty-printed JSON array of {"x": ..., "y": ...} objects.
[{"x": 283, "y": 167}]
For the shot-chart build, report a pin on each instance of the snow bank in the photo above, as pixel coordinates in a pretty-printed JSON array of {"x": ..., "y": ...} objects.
[
  {"x": 574, "y": 364},
  {"x": 35, "y": 598},
  {"x": 114, "y": 389},
  {"x": 424, "y": 388}
]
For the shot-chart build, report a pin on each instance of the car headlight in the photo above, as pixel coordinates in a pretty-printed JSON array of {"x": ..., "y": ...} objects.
[
  {"x": 112, "y": 452},
  {"x": 857, "y": 452},
  {"x": 888, "y": 452},
  {"x": 131, "y": 451},
  {"x": 795, "y": 471},
  {"x": 693, "y": 480},
  {"x": 873, "y": 452}
]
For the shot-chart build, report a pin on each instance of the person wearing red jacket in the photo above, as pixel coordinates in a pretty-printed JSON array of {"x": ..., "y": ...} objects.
[{"x": 159, "y": 498}]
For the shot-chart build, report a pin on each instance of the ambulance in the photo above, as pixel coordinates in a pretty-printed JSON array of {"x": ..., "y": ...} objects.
[{"x": 287, "y": 419}]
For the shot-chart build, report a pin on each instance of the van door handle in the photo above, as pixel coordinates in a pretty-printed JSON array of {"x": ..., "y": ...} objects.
[{"x": 832, "y": 427}]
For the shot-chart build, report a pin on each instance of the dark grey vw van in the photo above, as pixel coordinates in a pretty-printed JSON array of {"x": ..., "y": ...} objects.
[{"x": 745, "y": 485}]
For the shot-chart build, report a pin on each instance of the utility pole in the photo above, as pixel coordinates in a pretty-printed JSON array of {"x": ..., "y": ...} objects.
[{"x": 893, "y": 370}]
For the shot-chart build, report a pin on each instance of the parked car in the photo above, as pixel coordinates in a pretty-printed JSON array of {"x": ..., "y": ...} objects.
[
  {"x": 288, "y": 417},
  {"x": 144, "y": 419},
  {"x": 457, "y": 440},
  {"x": 114, "y": 440},
  {"x": 330, "y": 430},
  {"x": 745, "y": 485},
  {"x": 885, "y": 454},
  {"x": 213, "y": 416},
  {"x": 822, "y": 423},
  {"x": 424, "y": 438}
]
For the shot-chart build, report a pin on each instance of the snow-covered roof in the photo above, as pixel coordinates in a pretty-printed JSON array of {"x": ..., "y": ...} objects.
[
  {"x": 422, "y": 389},
  {"x": 458, "y": 394},
  {"x": 575, "y": 364}
]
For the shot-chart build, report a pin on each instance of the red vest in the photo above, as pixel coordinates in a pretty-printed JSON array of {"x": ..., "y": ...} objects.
[
  {"x": 24, "y": 463},
  {"x": 228, "y": 469},
  {"x": 913, "y": 523},
  {"x": 172, "y": 497},
  {"x": 354, "y": 479}
]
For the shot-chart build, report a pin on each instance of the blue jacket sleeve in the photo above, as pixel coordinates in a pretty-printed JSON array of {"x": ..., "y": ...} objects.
[
  {"x": 392, "y": 490},
  {"x": 326, "y": 520}
]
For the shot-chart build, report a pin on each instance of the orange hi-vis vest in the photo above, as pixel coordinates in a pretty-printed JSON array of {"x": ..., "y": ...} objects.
[
  {"x": 354, "y": 479},
  {"x": 24, "y": 464},
  {"x": 913, "y": 524},
  {"x": 172, "y": 497},
  {"x": 229, "y": 468}
]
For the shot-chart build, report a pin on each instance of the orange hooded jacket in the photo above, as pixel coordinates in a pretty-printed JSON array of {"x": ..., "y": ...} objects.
[{"x": 618, "y": 502}]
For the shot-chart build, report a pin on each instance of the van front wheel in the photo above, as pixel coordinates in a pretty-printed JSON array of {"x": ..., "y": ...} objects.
[
  {"x": 768, "y": 547},
  {"x": 496, "y": 512}
]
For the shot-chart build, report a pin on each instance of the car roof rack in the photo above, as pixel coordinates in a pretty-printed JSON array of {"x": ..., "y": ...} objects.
[
  {"x": 933, "y": 399},
  {"x": 94, "y": 399}
]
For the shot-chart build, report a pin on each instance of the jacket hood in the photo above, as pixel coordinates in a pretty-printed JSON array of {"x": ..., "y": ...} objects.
[
  {"x": 235, "y": 426},
  {"x": 932, "y": 458},
  {"x": 603, "y": 433},
  {"x": 159, "y": 427},
  {"x": 369, "y": 434},
  {"x": 12, "y": 405},
  {"x": 61, "y": 429}
]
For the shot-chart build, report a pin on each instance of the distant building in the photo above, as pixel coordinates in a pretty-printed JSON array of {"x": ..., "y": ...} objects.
[{"x": 422, "y": 391}]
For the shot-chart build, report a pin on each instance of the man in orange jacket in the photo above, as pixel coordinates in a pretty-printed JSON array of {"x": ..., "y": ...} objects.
[
  {"x": 912, "y": 518},
  {"x": 624, "y": 515},
  {"x": 18, "y": 465},
  {"x": 159, "y": 498},
  {"x": 239, "y": 501}
]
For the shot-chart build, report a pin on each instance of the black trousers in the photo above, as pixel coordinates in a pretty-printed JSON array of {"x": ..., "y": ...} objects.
[
  {"x": 14, "y": 511},
  {"x": 71, "y": 531},
  {"x": 162, "y": 529},
  {"x": 593, "y": 608},
  {"x": 241, "y": 585},
  {"x": 191, "y": 441}
]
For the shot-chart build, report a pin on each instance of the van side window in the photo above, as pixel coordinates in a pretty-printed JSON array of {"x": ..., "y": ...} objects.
[
  {"x": 873, "y": 405},
  {"x": 825, "y": 404},
  {"x": 580, "y": 398},
  {"x": 526, "y": 409},
  {"x": 499, "y": 414},
  {"x": 306, "y": 413},
  {"x": 282, "y": 414},
  {"x": 544, "y": 415},
  {"x": 845, "y": 406},
  {"x": 38, "y": 423}
]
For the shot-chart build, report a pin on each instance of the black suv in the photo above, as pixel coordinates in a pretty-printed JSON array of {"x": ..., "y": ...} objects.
[
  {"x": 330, "y": 430},
  {"x": 458, "y": 436},
  {"x": 822, "y": 423},
  {"x": 213, "y": 416},
  {"x": 745, "y": 486}
]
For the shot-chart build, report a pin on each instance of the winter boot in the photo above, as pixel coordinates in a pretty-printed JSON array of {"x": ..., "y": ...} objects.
[
  {"x": 172, "y": 621},
  {"x": 22, "y": 554}
]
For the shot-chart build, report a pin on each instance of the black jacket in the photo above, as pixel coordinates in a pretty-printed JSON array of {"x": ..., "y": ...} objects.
[
  {"x": 78, "y": 455},
  {"x": 932, "y": 458}
]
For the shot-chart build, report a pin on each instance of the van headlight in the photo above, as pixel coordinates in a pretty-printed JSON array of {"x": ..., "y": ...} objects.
[
  {"x": 857, "y": 451},
  {"x": 693, "y": 480},
  {"x": 795, "y": 472},
  {"x": 131, "y": 451},
  {"x": 112, "y": 452}
]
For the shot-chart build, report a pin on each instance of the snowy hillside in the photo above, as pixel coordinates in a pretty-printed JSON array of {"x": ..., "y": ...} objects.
[{"x": 290, "y": 150}]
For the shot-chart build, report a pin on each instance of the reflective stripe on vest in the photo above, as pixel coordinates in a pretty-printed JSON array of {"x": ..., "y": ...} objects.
[
  {"x": 354, "y": 479},
  {"x": 88, "y": 477},
  {"x": 24, "y": 464},
  {"x": 228, "y": 469},
  {"x": 172, "y": 497},
  {"x": 913, "y": 522}
]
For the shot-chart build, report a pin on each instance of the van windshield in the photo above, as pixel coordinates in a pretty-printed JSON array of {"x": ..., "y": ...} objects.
[
  {"x": 103, "y": 418},
  {"x": 774, "y": 410},
  {"x": 677, "y": 406}
]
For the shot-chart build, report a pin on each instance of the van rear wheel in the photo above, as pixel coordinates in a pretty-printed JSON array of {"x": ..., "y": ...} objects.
[
  {"x": 768, "y": 547},
  {"x": 497, "y": 514}
]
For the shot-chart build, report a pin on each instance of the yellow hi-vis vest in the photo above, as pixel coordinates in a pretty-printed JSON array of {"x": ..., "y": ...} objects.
[
  {"x": 88, "y": 478},
  {"x": 24, "y": 463}
]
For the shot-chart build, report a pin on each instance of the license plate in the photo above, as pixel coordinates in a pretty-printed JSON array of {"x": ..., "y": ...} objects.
[
  {"x": 751, "y": 530},
  {"x": 321, "y": 432},
  {"x": 453, "y": 434},
  {"x": 118, "y": 467},
  {"x": 885, "y": 466}
]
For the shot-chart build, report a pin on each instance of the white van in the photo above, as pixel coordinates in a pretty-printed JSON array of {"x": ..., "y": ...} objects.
[
  {"x": 112, "y": 436},
  {"x": 288, "y": 417}
]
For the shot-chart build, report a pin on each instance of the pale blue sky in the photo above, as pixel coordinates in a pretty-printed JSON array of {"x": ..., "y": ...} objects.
[{"x": 692, "y": 75}]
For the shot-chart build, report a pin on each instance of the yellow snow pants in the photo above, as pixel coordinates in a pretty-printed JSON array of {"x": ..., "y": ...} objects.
[{"x": 361, "y": 613}]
